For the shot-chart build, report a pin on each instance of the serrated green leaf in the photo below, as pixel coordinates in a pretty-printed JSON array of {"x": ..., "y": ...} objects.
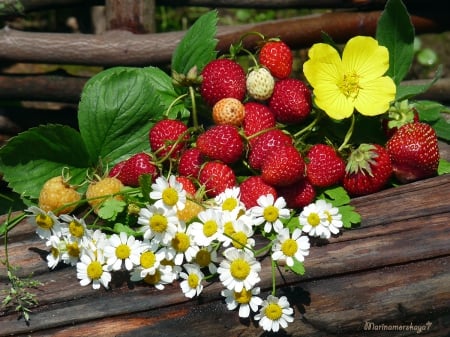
[
  {"x": 444, "y": 167},
  {"x": 442, "y": 128},
  {"x": 350, "y": 217},
  {"x": 110, "y": 208},
  {"x": 396, "y": 32},
  {"x": 298, "y": 267},
  {"x": 119, "y": 228},
  {"x": 163, "y": 86},
  {"x": 410, "y": 91},
  {"x": 336, "y": 195},
  {"x": 198, "y": 45},
  {"x": 116, "y": 110},
  {"x": 32, "y": 157},
  {"x": 429, "y": 111}
]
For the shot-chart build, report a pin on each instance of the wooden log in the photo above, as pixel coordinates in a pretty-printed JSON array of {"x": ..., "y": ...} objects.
[{"x": 392, "y": 270}]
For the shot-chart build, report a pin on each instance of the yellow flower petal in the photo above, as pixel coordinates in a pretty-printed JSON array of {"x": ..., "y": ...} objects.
[
  {"x": 375, "y": 96},
  {"x": 324, "y": 64},
  {"x": 333, "y": 102}
]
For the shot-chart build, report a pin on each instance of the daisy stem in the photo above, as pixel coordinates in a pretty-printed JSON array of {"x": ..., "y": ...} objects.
[
  {"x": 348, "y": 135},
  {"x": 274, "y": 287}
]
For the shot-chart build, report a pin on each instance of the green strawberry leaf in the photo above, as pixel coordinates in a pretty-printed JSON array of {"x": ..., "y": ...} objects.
[
  {"x": 111, "y": 208},
  {"x": 444, "y": 167},
  {"x": 350, "y": 217},
  {"x": 32, "y": 157},
  {"x": 337, "y": 196},
  {"x": 197, "y": 47},
  {"x": 409, "y": 91},
  {"x": 396, "y": 32},
  {"x": 442, "y": 128},
  {"x": 115, "y": 113},
  {"x": 429, "y": 111},
  {"x": 298, "y": 267},
  {"x": 119, "y": 227}
]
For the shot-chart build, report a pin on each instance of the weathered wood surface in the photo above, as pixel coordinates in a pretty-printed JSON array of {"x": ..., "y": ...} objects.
[{"x": 393, "y": 269}]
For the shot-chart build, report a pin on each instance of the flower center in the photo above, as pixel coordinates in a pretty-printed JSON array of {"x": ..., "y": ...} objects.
[
  {"x": 193, "y": 280},
  {"x": 228, "y": 228},
  {"x": 153, "y": 279},
  {"x": 289, "y": 247},
  {"x": 243, "y": 297},
  {"x": 44, "y": 221},
  {"x": 239, "y": 269},
  {"x": 273, "y": 311},
  {"x": 203, "y": 258},
  {"x": 313, "y": 219},
  {"x": 181, "y": 242},
  {"x": 147, "y": 259},
  {"x": 350, "y": 85},
  {"x": 94, "y": 270},
  {"x": 329, "y": 216},
  {"x": 158, "y": 223},
  {"x": 209, "y": 228},
  {"x": 170, "y": 196},
  {"x": 73, "y": 249},
  {"x": 54, "y": 251},
  {"x": 271, "y": 213},
  {"x": 76, "y": 229},
  {"x": 239, "y": 240},
  {"x": 123, "y": 251},
  {"x": 229, "y": 204}
]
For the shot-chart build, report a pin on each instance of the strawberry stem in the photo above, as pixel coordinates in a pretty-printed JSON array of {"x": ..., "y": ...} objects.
[
  {"x": 194, "y": 107},
  {"x": 348, "y": 135},
  {"x": 309, "y": 127}
]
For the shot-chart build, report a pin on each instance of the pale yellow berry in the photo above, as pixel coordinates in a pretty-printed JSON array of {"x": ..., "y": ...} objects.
[
  {"x": 107, "y": 188},
  {"x": 190, "y": 211},
  {"x": 260, "y": 84},
  {"x": 228, "y": 111},
  {"x": 58, "y": 196}
]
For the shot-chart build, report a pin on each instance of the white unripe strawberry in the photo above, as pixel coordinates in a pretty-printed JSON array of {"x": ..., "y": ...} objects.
[{"x": 260, "y": 84}]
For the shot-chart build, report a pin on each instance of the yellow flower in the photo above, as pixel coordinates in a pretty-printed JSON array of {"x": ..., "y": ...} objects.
[{"x": 354, "y": 82}]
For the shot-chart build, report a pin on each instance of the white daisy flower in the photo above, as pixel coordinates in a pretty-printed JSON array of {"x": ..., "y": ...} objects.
[
  {"x": 182, "y": 247},
  {"x": 275, "y": 313},
  {"x": 334, "y": 217},
  {"x": 229, "y": 200},
  {"x": 241, "y": 237},
  {"x": 158, "y": 223},
  {"x": 122, "y": 250},
  {"x": 269, "y": 212},
  {"x": 239, "y": 270},
  {"x": 72, "y": 252},
  {"x": 246, "y": 300},
  {"x": 206, "y": 257},
  {"x": 92, "y": 269},
  {"x": 75, "y": 229},
  {"x": 93, "y": 241},
  {"x": 208, "y": 228},
  {"x": 193, "y": 277},
  {"x": 314, "y": 220},
  {"x": 149, "y": 261},
  {"x": 57, "y": 247},
  {"x": 47, "y": 223},
  {"x": 287, "y": 248},
  {"x": 163, "y": 275},
  {"x": 168, "y": 193}
]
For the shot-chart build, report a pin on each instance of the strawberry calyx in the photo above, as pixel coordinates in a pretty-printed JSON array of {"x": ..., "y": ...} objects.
[
  {"x": 361, "y": 159},
  {"x": 400, "y": 113}
]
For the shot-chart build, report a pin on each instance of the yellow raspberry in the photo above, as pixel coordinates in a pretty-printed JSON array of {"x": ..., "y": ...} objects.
[
  {"x": 190, "y": 211},
  {"x": 58, "y": 196},
  {"x": 105, "y": 187},
  {"x": 228, "y": 111}
]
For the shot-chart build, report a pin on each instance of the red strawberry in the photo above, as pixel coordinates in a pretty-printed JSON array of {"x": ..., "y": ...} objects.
[
  {"x": 133, "y": 168},
  {"x": 222, "y": 78},
  {"x": 114, "y": 172},
  {"x": 188, "y": 185},
  {"x": 299, "y": 194},
  {"x": 265, "y": 145},
  {"x": 252, "y": 188},
  {"x": 276, "y": 56},
  {"x": 163, "y": 136},
  {"x": 221, "y": 142},
  {"x": 414, "y": 152},
  {"x": 283, "y": 167},
  {"x": 190, "y": 162},
  {"x": 368, "y": 170},
  {"x": 216, "y": 177},
  {"x": 258, "y": 117},
  {"x": 290, "y": 101},
  {"x": 324, "y": 167}
]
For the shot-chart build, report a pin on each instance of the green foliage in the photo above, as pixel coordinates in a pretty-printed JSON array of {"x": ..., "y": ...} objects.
[{"x": 431, "y": 112}]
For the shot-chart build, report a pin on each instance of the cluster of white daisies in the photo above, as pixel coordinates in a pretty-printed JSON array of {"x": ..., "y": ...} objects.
[{"x": 169, "y": 249}]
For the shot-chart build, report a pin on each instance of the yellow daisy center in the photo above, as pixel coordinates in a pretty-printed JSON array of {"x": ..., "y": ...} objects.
[
  {"x": 73, "y": 249},
  {"x": 240, "y": 269},
  {"x": 123, "y": 251},
  {"x": 229, "y": 204},
  {"x": 228, "y": 228},
  {"x": 54, "y": 251},
  {"x": 170, "y": 196},
  {"x": 181, "y": 242},
  {"x": 147, "y": 259},
  {"x": 76, "y": 229},
  {"x": 289, "y": 247},
  {"x": 209, "y": 228},
  {"x": 44, "y": 221},
  {"x": 274, "y": 311},
  {"x": 244, "y": 296},
  {"x": 203, "y": 258},
  {"x": 329, "y": 217},
  {"x": 158, "y": 223},
  {"x": 94, "y": 270},
  {"x": 193, "y": 280},
  {"x": 271, "y": 213},
  {"x": 153, "y": 279},
  {"x": 313, "y": 219},
  {"x": 239, "y": 240},
  {"x": 350, "y": 85}
]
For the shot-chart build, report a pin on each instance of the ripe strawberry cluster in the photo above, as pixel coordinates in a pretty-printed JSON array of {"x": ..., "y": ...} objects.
[{"x": 248, "y": 143}]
